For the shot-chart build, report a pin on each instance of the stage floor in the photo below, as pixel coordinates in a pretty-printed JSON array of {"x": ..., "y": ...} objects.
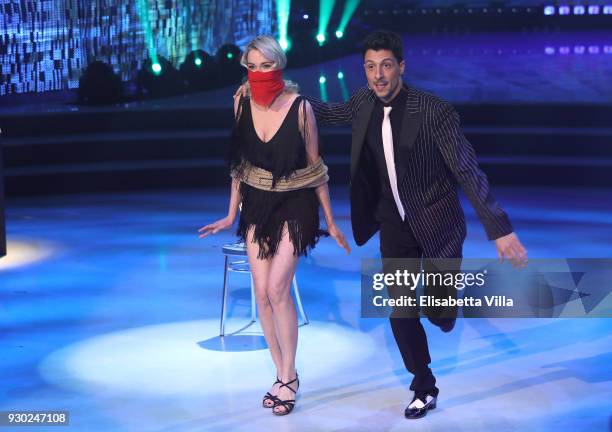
[{"x": 110, "y": 307}]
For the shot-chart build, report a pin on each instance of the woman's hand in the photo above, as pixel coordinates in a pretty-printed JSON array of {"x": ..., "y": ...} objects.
[
  {"x": 337, "y": 235},
  {"x": 241, "y": 91},
  {"x": 214, "y": 228}
]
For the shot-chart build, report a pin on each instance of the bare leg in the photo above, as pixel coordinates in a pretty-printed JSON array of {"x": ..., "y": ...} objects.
[
  {"x": 280, "y": 277},
  {"x": 260, "y": 270}
]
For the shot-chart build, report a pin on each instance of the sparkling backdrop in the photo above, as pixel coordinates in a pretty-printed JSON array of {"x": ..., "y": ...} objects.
[{"x": 46, "y": 44}]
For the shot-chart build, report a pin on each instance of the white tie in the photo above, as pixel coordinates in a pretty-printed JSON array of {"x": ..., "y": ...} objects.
[{"x": 387, "y": 137}]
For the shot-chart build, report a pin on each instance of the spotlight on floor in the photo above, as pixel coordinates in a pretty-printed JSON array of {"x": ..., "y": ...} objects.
[
  {"x": 199, "y": 71},
  {"x": 21, "y": 253},
  {"x": 230, "y": 71},
  {"x": 158, "y": 78},
  {"x": 99, "y": 85}
]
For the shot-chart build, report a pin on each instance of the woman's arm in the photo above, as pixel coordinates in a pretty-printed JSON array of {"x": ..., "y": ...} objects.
[
  {"x": 234, "y": 202},
  {"x": 227, "y": 221},
  {"x": 308, "y": 128}
]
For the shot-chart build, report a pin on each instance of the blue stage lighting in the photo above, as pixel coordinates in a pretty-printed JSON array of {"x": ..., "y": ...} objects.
[
  {"x": 579, "y": 10},
  {"x": 594, "y": 10},
  {"x": 564, "y": 10},
  {"x": 607, "y": 10},
  {"x": 549, "y": 10}
]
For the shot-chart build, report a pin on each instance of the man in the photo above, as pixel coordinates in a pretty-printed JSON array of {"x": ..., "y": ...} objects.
[{"x": 408, "y": 156}]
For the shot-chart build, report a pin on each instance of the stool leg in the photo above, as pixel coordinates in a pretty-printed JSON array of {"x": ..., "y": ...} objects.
[
  {"x": 253, "y": 302},
  {"x": 224, "y": 299},
  {"x": 298, "y": 300}
]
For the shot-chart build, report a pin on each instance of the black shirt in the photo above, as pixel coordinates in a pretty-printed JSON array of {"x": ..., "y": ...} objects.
[{"x": 376, "y": 154}]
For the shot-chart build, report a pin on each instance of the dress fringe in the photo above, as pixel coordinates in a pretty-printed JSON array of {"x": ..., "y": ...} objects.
[{"x": 264, "y": 215}]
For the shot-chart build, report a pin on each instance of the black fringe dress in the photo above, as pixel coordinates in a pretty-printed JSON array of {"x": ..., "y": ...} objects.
[{"x": 268, "y": 211}]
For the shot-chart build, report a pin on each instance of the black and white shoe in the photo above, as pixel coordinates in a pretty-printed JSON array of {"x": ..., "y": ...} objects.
[{"x": 419, "y": 406}]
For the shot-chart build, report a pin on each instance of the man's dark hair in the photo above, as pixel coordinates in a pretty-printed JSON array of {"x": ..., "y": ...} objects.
[{"x": 385, "y": 40}]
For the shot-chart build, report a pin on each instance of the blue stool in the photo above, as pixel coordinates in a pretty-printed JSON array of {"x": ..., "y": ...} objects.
[{"x": 236, "y": 261}]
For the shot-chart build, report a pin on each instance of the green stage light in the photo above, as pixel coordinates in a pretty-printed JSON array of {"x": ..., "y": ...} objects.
[
  {"x": 142, "y": 8},
  {"x": 323, "y": 88},
  {"x": 339, "y": 33},
  {"x": 326, "y": 8},
  {"x": 285, "y": 44},
  {"x": 198, "y": 62},
  {"x": 343, "y": 88},
  {"x": 283, "y": 7},
  {"x": 156, "y": 68},
  {"x": 349, "y": 9},
  {"x": 230, "y": 55}
]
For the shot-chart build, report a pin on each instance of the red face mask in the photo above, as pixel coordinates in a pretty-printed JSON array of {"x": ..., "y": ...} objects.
[{"x": 265, "y": 86}]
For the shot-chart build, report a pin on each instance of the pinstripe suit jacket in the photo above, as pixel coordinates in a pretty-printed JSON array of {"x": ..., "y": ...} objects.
[{"x": 432, "y": 158}]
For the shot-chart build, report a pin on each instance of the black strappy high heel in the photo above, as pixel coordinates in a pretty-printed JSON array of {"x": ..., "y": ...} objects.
[
  {"x": 270, "y": 397},
  {"x": 288, "y": 404}
]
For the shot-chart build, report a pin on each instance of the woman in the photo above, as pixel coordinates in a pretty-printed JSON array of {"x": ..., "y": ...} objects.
[{"x": 280, "y": 180}]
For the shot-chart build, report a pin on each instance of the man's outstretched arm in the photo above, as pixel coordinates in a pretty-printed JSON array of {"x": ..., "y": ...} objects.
[
  {"x": 338, "y": 114},
  {"x": 460, "y": 157}
]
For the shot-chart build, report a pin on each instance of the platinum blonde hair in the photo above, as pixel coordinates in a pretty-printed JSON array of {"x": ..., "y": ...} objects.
[{"x": 270, "y": 49}]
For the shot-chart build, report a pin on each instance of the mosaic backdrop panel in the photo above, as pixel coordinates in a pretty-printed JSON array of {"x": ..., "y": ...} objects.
[{"x": 46, "y": 44}]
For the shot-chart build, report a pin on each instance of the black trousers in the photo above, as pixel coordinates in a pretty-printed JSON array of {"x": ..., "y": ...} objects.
[{"x": 397, "y": 241}]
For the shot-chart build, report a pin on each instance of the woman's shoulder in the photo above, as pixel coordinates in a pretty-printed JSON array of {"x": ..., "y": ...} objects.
[
  {"x": 289, "y": 101},
  {"x": 292, "y": 95},
  {"x": 240, "y": 102},
  {"x": 303, "y": 103},
  {"x": 296, "y": 98}
]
